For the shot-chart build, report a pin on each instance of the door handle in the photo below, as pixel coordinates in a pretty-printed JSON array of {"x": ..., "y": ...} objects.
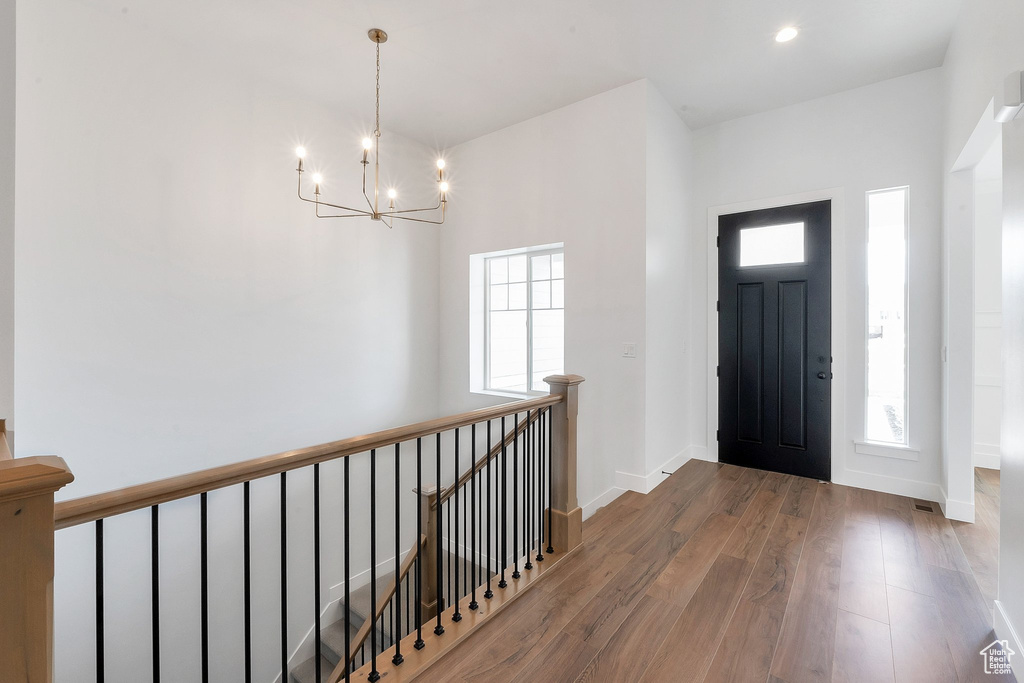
[{"x": 821, "y": 375}]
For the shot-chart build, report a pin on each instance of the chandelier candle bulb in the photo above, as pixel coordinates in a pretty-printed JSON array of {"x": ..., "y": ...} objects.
[{"x": 373, "y": 210}]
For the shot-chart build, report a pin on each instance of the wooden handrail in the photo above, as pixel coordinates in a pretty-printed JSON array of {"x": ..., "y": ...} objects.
[
  {"x": 381, "y": 604},
  {"x": 5, "y": 448},
  {"x": 491, "y": 455},
  {"x": 90, "y": 508}
]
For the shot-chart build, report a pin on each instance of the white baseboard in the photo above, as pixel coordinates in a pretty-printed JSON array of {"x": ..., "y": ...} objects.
[
  {"x": 602, "y": 500},
  {"x": 905, "y": 487},
  {"x": 337, "y": 591},
  {"x": 959, "y": 510},
  {"x": 986, "y": 455},
  {"x": 1005, "y": 631},
  {"x": 701, "y": 453},
  {"x": 627, "y": 481},
  {"x": 646, "y": 483}
]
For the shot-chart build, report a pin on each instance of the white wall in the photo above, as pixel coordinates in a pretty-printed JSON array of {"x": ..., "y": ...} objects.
[
  {"x": 7, "y": 99},
  {"x": 988, "y": 334},
  {"x": 575, "y": 175},
  {"x": 883, "y": 135},
  {"x": 178, "y": 308},
  {"x": 1010, "y": 606},
  {"x": 669, "y": 208},
  {"x": 985, "y": 48}
]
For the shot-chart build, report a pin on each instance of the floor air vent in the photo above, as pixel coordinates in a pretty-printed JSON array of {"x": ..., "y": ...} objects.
[{"x": 923, "y": 506}]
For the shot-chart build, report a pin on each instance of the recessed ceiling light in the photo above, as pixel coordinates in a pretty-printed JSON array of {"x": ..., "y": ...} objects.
[{"x": 787, "y": 34}]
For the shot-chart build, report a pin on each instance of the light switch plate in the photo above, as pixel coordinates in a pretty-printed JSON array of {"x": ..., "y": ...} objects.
[{"x": 628, "y": 350}]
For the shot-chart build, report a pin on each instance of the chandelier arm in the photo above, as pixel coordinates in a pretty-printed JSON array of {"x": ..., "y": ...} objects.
[
  {"x": 342, "y": 215},
  {"x": 395, "y": 213},
  {"x": 358, "y": 212},
  {"x": 423, "y": 220}
]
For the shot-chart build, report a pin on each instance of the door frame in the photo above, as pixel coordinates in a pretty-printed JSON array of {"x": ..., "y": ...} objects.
[{"x": 838, "y": 300}]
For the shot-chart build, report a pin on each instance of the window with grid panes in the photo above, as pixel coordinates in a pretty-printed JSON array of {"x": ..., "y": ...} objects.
[{"x": 525, "y": 320}]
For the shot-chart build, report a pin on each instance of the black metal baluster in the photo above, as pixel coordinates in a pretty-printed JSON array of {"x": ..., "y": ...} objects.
[
  {"x": 465, "y": 542},
  {"x": 550, "y": 456},
  {"x": 419, "y": 644},
  {"x": 348, "y": 582},
  {"x": 534, "y": 425},
  {"x": 528, "y": 491},
  {"x": 408, "y": 590},
  {"x": 284, "y": 576},
  {"x": 455, "y": 556},
  {"x": 448, "y": 535},
  {"x": 398, "y": 658},
  {"x": 439, "y": 629},
  {"x": 515, "y": 499},
  {"x": 99, "y": 602},
  {"x": 374, "y": 674},
  {"x": 488, "y": 594},
  {"x": 316, "y": 567},
  {"x": 155, "y": 563},
  {"x": 247, "y": 580},
  {"x": 473, "y": 604},
  {"x": 540, "y": 486},
  {"x": 204, "y": 589},
  {"x": 503, "y": 502}
]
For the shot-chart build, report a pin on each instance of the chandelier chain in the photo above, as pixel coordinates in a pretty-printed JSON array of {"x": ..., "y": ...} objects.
[{"x": 376, "y": 130}]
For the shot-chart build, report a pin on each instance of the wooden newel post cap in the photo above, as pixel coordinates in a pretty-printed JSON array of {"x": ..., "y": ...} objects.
[
  {"x": 27, "y": 477},
  {"x": 564, "y": 380}
]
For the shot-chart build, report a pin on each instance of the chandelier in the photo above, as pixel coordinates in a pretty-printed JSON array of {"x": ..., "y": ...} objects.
[{"x": 373, "y": 210}]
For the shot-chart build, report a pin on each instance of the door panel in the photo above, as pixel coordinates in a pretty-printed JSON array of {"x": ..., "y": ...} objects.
[
  {"x": 775, "y": 339},
  {"x": 792, "y": 363},
  {"x": 749, "y": 388}
]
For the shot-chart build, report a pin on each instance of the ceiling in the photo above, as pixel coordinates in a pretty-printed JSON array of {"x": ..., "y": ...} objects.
[{"x": 457, "y": 69}]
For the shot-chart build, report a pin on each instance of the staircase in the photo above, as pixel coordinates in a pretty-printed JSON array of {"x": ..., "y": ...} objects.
[{"x": 332, "y": 638}]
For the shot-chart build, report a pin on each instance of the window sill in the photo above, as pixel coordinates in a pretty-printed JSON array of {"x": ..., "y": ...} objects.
[
  {"x": 887, "y": 450},
  {"x": 520, "y": 395}
]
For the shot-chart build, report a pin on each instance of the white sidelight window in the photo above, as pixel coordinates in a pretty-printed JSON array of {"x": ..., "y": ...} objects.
[
  {"x": 524, "y": 319},
  {"x": 888, "y": 228}
]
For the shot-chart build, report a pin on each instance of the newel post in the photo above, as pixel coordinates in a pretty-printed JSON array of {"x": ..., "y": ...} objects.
[
  {"x": 428, "y": 551},
  {"x": 566, "y": 515},
  {"x": 27, "y": 486}
]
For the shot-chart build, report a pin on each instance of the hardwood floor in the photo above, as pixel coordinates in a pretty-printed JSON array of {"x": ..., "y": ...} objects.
[{"x": 730, "y": 574}]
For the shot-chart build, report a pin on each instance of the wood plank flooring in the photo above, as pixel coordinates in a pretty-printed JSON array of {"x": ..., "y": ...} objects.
[{"x": 730, "y": 574}]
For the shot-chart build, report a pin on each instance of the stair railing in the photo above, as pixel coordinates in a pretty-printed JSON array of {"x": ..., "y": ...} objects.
[
  {"x": 386, "y": 613},
  {"x": 479, "y": 533}
]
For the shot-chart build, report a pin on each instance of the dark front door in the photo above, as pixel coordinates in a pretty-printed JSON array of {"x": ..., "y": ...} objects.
[{"x": 774, "y": 339}]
